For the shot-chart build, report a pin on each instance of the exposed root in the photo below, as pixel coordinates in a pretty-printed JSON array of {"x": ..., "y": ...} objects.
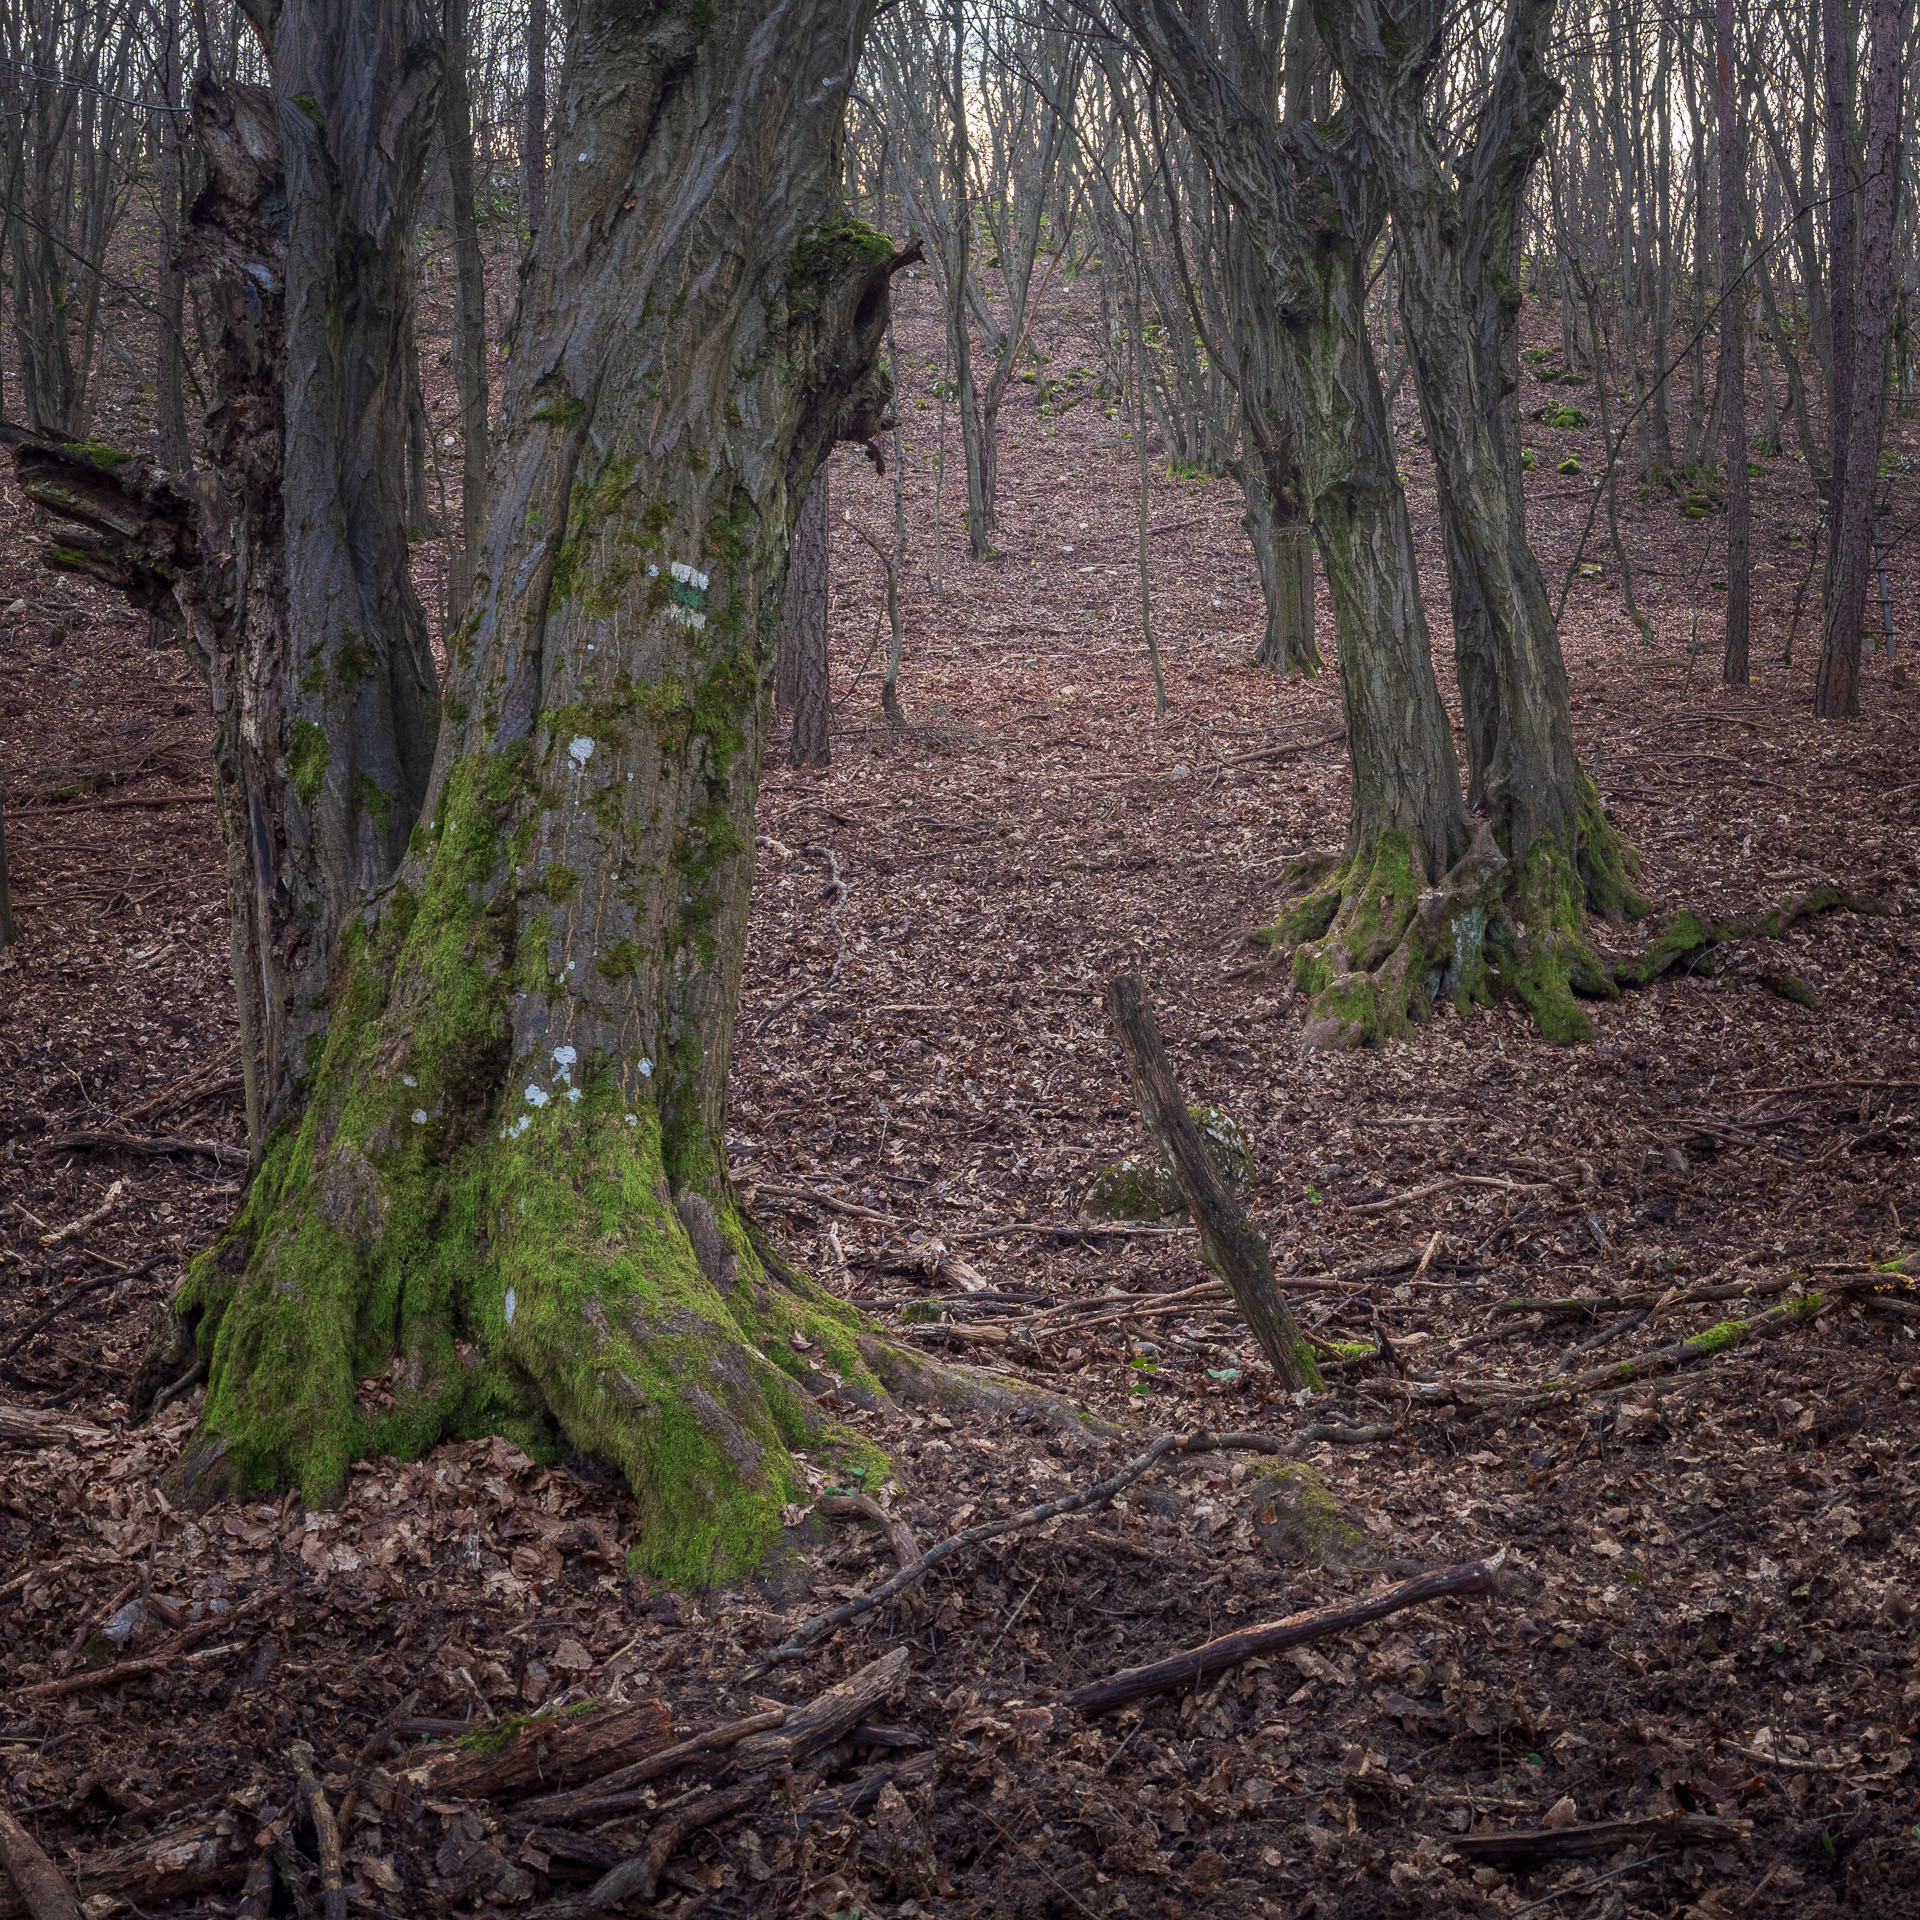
[{"x": 1375, "y": 950}]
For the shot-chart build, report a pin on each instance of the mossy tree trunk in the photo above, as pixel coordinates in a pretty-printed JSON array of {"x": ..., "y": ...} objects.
[
  {"x": 1456, "y": 238},
  {"x": 505, "y": 1206}
]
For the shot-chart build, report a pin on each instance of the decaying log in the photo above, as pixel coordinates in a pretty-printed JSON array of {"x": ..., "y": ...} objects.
[
  {"x": 549, "y": 1750},
  {"x": 619, "y": 1791},
  {"x": 26, "y": 1427},
  {"x": 1601, "y": 1836},
  {"x": 826, "y": 1717},
  {"x": 1227, "y": 1238},
  {"x": 1183, "y": 1669},
  {"x": 190, "y": 1860},
  {"x": 39, "y": 1881}
]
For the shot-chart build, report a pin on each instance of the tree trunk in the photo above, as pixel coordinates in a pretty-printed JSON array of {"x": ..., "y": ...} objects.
[
  {"x": 1457, "y": 250},
  {"x": 170, "y": 375},
  {"x": 469, "y": 343},
  {"x": 1733, "y": 340},
  {"x": 803, "y": 628},
  {"x": 506, "y": 1205},
  {"x": 1857, "y": 431},
  {"x": 1283, "y": 549},
  {"x": 534, "y": 134},
  {"x": 290, "y": 573}
]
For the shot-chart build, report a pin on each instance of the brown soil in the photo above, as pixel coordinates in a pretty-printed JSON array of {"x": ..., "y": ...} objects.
[{"x": 1707, "y": 1602}]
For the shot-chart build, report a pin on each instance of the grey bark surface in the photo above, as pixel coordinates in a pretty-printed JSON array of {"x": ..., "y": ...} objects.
[
  {"x": 1283, "y": 552},
  {"x": 1733, "y": 342}
]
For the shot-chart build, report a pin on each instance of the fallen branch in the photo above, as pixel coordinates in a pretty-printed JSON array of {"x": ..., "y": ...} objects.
[
  {"x": 150, "y": 1143},
  {"x": 1097, "y": 1495},
  {"x": 1228, "y": 1242},
  {"x": 1602, "y": 1836},
  {"x": 1230, "y": 1650},
  {"x": 639, "y": 1877},
  {"x": 41, "y": 1886},
  {"x": 619, "y": 1792},
  {"x": 1705, "y": 1345},
  {"x": 179, "y": 1647},
  {"x": 78, "y": 1290},
  {"x": 326, "y": 1834}
]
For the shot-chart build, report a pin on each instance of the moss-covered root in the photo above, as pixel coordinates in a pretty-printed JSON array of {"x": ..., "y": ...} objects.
[
  {"x": 1357, "y": 974},
  {"x": 1606, "y": 863},
  {"x": 1686, "y": 939},
  {"x": 1708, "y": 1344}
]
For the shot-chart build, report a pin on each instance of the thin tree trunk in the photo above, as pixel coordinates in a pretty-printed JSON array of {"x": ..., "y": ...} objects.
[
  {"x": 1733, "y": 341},
  {"x": 469, "y": 342},
  {"x": 170, "y": 374},
  {"x": 803, "y": 637},
  {"x": 1858, "y": 429},
  {"x": 534, "y": 134},
  {"x": 1283, "y": 552}
]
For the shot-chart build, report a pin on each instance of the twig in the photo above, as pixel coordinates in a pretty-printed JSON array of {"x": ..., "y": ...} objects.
[
  {"x": 1600, "y": 1836},
  {"x": 863, "y": 1506},
  {"x": 639, "y": 1877},
  {"x": 75, "y": 1228},
  {"x": 1580, "y": 1887},
  {"x": 836, "y": 893},
  {"x": 326, "y": 1834},
  {"x": 69, "y": 1294},
  {"x": 1183, "y": 1669},
  {"x": 1097, "y": 1495}
]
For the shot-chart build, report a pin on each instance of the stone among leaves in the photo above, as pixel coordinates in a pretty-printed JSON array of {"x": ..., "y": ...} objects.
[{"x": 1139, "y": 1188}]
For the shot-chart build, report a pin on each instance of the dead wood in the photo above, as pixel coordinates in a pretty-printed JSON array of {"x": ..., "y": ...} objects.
[
  {"x": 617, "y": 1792},
  {"x": 162, "y": 1657},
  {"x": 326, "y": 1833},
  {"x": 639, "y": 1877},
  {"x": 1230, "y": 1650},
  {"x": 28, "y": 1427},
  {"x": 1102, "y": 1491},
  {"x": 863, "y": 1506},
  {"x": 178, "y": 1865},
  {"x": 858, "y": 1796},
  {"x": 1227, "y": 1238},
  {"x": 39, "y": 1881},
  {"x": 1602, "y": 1836},
  {"x": 549, "y": 1750},
  {"x": 826, "y": 1718},
  {"x": 157, "y": 1144}
]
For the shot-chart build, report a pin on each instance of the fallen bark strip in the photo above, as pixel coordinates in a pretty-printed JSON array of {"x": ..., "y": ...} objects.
[
  {"x": 826, "y": 1718},
  {"x": 326, "y": 1832},
  {"x": 1602, "y": 1836},
  {"x": 618, "y": 1792},
  {"x": 40, "y": 1883},
  {"x": 1708, "y": 1344},
  {"x": 639, "y": 1877},
  {"x": 549, "y": 1750},
  {"x": 92, "y": 1218},
  {"x": 157, "y": 1144},
  {"x": 1230, "y": 1650},
  {"x": 1099, "y": 1494},
  {"x": 29, "y": 1427},
  {"x": 1228, "y": 1241}
]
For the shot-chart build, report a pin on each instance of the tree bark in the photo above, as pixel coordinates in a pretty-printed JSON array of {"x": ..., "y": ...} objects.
[
  {"x": 507, "y": 1198},
  {"x": 1733, "y": 341},
  {"x": 1283, "y": 550},
  {"x": 803, "y": 634},
  {"x": 469, "y": 342},
  {"x": 1857, "y": 430}
]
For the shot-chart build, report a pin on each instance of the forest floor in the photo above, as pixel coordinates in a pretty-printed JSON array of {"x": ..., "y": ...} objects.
[{"x": 1706, "y": 1606}]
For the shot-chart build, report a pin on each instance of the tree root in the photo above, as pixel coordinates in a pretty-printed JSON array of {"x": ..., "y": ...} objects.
[{"x": 1375, "y": 949}]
